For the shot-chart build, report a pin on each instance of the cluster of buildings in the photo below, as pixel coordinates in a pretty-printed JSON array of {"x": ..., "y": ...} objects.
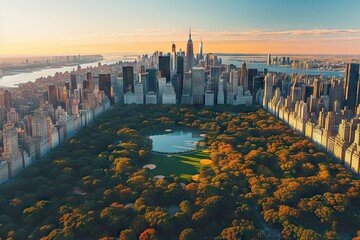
[
  {"x": 35, "y": 122},
  {"x": 326, "y": 110},
  {"x": 183, "y": 78},
  {"x": 38, "y": 116},
  {"x": 282, "y": 61}
]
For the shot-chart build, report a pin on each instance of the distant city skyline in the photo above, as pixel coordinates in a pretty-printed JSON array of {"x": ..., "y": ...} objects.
[{"x": 38, "y": 27}]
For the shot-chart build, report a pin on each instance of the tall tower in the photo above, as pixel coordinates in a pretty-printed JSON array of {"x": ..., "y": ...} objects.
[
  {"x": 173, "y": 57},
  {"x": 316, "y": 88},
  {"x": 201, "y": 48},
  {"x": 7, "y": 100},
  {"x": 128, "y": 79},
  {"x": 198, "y": 85},
  {"x": 244, "y": 77},
  {"x": 268, "y": 89},
  {"x": 295, "y": 92},
  {"x": 351, "y": 85},
  {"x": 189, "y": 53},
  {"x": 164, "y": 67}
]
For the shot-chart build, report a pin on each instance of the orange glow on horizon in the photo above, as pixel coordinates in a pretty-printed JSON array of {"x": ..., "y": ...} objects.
[{"x": 289, "y": 47}]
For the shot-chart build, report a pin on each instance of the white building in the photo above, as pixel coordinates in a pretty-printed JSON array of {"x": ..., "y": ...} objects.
[
  {"x": 139, "y": 93},
  {"x": 268, "y": 89},
  {"x": 169, "y": 95},
  {"x": 243, "y": 98},
  {"x": 161, "y": 85},
  {"x": 151, "y": 98},
  {"x": 209, "y": 98},
  {"x": 129, "y": 98},
  {"x": 221, "y": 92}
]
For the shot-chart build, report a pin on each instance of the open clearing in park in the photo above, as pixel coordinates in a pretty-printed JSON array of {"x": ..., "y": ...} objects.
[{"x": 183, "y": 165}]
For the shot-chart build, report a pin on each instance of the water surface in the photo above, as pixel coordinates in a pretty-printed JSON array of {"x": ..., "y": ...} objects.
[{"x": 175, "y": 141}]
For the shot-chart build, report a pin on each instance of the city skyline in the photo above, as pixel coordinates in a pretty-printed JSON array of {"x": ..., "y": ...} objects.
[{"x": 81, "y": 27}]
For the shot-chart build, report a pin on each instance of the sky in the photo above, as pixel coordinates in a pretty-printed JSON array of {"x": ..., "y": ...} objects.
[{"x": 37, "y": 27}]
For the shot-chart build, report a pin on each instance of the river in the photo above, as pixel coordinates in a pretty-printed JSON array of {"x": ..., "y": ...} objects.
[{"x": 13, "y": 80}]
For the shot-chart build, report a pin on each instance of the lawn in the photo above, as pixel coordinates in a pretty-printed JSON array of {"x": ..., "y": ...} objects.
[{"x": 183, "y": 165}]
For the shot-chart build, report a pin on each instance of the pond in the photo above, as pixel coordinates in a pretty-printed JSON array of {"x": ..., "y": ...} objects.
[{"x": 175, "y": 141}]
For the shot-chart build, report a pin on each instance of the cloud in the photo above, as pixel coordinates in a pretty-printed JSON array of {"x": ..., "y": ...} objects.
[
  {"x": 151, "y": 34},
  {"x": 148, "y": 35}
]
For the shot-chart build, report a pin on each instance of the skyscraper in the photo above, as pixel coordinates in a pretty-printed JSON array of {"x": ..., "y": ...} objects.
[
  {"x": 73, "y": 83},
  {"x": 316, "y": 86},
  {"x": 198, "y": 85},
  {"x": 7, "y": 100},
  {"x": 252, "y": 72},
  {"x": 173, "y": 57},
  {"x": 53, "y": 95},
  {"x": 244, "y": 77},
  {"x": 351, "y": 86},
  {"x": 201, "y": 45},
  {"x": 152, "y": 79},
  {"x": 268, "y": 89},
  {"x": 295, "y": 92},
  {"x": 189, "y": 53},
  {"x": 180, "y": 70},
  {"x": 11, "y": 150},
  {"x": 164, "y": 67},
  {"x": 10, "y": 140},
  {"x": 89, "y": 81},
  {"x": 128, "y": 78},
  {"x": 105, "y": 84}
]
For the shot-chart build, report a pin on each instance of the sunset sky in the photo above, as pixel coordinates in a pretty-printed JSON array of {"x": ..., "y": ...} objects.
[{"x": 34, "y": 27}]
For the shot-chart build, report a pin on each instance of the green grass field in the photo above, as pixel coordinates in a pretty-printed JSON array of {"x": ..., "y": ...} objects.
[{"x": 185, "y": 166}]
